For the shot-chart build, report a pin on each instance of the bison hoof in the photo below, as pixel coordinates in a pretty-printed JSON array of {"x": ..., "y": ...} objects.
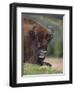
[{"x": 48, "y": 64}]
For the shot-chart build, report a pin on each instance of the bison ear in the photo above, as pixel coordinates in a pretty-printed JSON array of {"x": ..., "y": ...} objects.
[
  {"x": 32, "y": 35},
  {"x": 33, "y": 32}
]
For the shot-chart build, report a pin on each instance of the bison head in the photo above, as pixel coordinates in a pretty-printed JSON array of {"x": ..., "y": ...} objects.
[
  {"x": 36, "y": 39},
  {"x": 40, "y": 37}
]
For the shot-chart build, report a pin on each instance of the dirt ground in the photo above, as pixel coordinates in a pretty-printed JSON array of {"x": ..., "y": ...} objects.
[{"x": 57, "y": 63}]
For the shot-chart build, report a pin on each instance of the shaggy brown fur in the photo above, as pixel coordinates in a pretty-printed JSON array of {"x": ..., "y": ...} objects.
[{"x": 36, "y": 38}]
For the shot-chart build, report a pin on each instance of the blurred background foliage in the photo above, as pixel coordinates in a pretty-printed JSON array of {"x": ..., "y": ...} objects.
[{"x": 55, "y": 24}]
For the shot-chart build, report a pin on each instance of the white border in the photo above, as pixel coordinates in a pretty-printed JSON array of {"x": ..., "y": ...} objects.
[{"x": 44, "y": 78}]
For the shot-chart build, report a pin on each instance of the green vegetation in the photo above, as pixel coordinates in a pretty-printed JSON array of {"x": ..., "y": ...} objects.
[{"x": 31, "y": 69}]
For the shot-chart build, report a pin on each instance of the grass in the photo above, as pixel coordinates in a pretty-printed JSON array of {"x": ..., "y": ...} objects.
[{"x": 32, "y": 69}]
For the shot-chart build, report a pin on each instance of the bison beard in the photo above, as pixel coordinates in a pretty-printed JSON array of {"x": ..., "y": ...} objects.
[{"x": 36, "y": 39}]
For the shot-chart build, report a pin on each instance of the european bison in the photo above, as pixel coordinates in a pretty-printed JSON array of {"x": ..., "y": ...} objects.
[{"x": 36, "y": 39}]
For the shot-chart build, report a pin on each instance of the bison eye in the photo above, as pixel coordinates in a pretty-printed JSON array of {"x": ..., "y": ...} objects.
[{"x": 48, "y": 37}]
